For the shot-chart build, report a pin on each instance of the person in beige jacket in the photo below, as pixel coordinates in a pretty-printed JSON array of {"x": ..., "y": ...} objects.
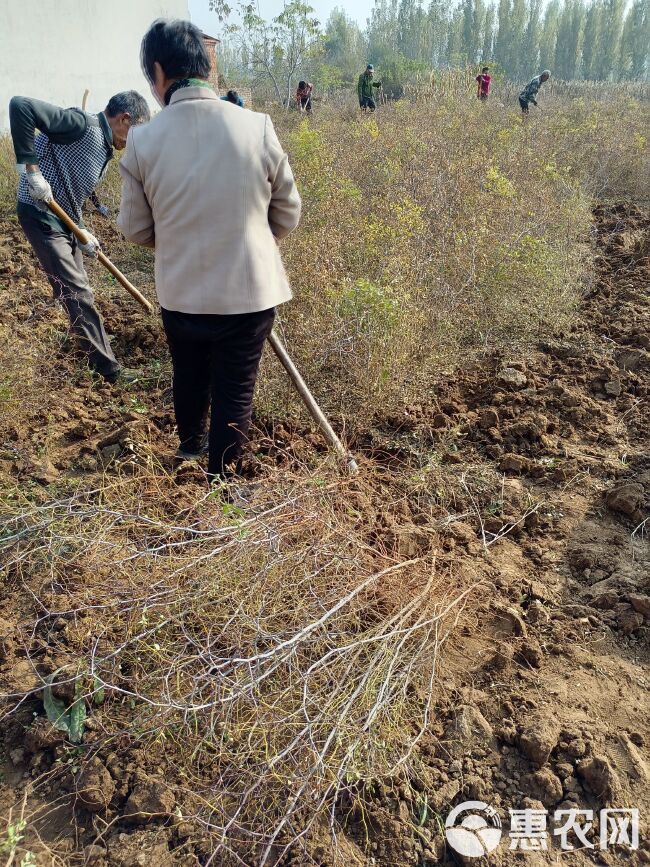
[{"x": 210, "y": 187}]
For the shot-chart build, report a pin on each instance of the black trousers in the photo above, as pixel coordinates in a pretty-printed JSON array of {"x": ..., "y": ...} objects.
[{"x": 215, "y": 361}]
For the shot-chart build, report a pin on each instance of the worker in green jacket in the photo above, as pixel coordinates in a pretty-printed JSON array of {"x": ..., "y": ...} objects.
[{"x": 366, "y": 88}]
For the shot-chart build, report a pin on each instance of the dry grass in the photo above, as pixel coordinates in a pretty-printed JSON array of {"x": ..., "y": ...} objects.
[
  {"x": 433, "y": 231},
  {"x": 438, "y": 229},
  {"x": 280, "y": 658}
]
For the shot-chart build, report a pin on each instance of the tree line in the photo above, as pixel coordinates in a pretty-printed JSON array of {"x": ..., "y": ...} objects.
[{"x": 595, "y": 40}]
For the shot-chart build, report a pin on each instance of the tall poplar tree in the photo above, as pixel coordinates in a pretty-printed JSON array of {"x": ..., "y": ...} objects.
[
  {"x": 488, "y": 34},
  {"x": 438, "y": 24},
  {"x": 635, "y": 42},
  {"x": 502, "y": 43},
  {"x": 530, "y": 53},
  {"x": 591, "y": 66},
  {"x": 517, "y": 60},
  {"x": 548, "y": 36},
  {"x": 568, "y": 46},
  {"x": 613, "y": 13}
]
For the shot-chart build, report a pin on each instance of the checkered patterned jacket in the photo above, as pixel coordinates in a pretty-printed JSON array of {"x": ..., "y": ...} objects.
[
  {"x": 72, "y": 150},
  {"x": 531, "y": 90}
]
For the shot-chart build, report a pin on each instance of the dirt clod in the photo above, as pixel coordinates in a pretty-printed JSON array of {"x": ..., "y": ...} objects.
[
  {"x": 488, "y": 418},
  {"x": 538, "y": 739},
  {"x": 601, "y": 778},
  {"x": 95, "y": 786},
  {"x": 625, "y": 497},
  {"x": 545, "y": 786},
  {"x": 511, "y": 463},
  {"x": 640, "y": 603},
  {"x": 44, "y": 472},
  {"x": 149, "y": 799},
  {"x": 467, "y": 729},
  {"x": 613, "y": 388},
  {"x": 511, "y": 377},
  {"x": 628, "y": 619}
]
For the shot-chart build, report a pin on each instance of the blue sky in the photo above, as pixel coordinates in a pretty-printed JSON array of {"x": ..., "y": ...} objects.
[{"x": 209, "y": 23}]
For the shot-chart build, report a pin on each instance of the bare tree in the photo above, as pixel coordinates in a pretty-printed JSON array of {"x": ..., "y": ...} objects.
[{"x": 275, "y": 49}]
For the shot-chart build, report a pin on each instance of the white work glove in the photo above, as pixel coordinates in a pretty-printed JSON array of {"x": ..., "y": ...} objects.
[
  {"x": 91, "y": 247},
  {"x": 39, "y": 189}
]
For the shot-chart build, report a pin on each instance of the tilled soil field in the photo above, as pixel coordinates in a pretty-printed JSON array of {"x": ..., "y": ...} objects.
[{"x": 525, "y": 480}]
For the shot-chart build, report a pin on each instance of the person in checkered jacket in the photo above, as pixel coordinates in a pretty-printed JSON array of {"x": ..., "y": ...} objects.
[{"x": 65, "y": 161}]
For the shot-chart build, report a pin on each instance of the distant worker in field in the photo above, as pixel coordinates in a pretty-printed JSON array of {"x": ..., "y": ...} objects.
[
  {"x": 531, "y": 90},
  {"x": 304, "y": 95},
  {"x": 367, "y": 87},
  {"x": 484, "y": 80},
  {"x": 65, "y": 162},
  {"x": 234, "y": 97}
]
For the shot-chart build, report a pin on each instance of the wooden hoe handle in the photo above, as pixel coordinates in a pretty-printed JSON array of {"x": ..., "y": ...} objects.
[
  {"x": 81, "y": 236},
  {"x": 308, "y": 399}
]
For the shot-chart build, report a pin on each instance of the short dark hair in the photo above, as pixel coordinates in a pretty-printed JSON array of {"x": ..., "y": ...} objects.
[
  {"x": 485, "y": 69},
  {"x": 232, "y": 96},
  {"x": 178, "y": 47},
  {"x": 302, "y": 85},
  {"x": 129, "y": 101}
]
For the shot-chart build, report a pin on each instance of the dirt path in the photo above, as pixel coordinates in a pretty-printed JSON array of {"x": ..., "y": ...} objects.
[{"x": 529, "y": 478}]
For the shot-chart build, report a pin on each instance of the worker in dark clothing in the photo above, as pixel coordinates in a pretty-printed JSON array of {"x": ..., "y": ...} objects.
[
  {"x": 64, "y": 162},
  {"x": 529, "y": 93},
  {"x": 366, "y": 88},
  {"x": 234, "y": 97}
]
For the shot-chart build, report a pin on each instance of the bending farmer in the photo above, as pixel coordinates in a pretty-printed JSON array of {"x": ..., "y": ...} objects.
[
  {"x": 529, "y": 92},
  {"x": 366, "y": 88},
  {"x": 304, "y": 95},
  {"x": 213, "y": 215},
  {"x": 234, "y": 97},
  {"x": 65, "y": 162}
]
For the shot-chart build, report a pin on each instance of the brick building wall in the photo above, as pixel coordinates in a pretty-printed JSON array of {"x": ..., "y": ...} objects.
[{"x": 211, "y": 43}]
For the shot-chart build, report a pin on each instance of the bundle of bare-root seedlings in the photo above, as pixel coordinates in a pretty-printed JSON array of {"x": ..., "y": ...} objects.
[{"x": 273, "y": 658}]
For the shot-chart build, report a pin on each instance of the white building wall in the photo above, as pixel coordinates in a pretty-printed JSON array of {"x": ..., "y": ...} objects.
[{"x": 55, "y": 49}]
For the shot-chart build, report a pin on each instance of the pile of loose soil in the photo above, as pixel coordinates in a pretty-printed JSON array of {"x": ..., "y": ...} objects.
[{"x": 526, "y": 477}]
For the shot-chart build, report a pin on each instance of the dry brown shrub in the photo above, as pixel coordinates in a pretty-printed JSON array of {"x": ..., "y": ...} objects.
[
  {"x": 439, "y": 228},
  {"x": 281, "y": 659},
  {"x": 432, "y": 231}
]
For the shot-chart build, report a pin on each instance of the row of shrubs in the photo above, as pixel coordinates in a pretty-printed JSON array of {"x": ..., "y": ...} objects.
[{"x": 433, "y": 230}]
